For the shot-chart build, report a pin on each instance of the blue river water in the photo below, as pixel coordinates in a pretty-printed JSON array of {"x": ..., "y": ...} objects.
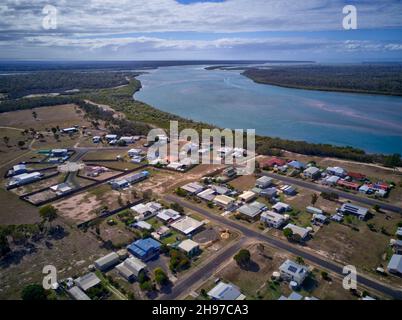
[{"x": 229, "y": 100}]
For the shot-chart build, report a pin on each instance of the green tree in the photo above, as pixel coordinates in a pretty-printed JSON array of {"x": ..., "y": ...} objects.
[
  {"x": 146, "y": 286},
  {"x": 314, "y": 198},
  {"x": 177, "y": 207},
  {"x": 4, "y": 245},
  {"x": 48, "y": 213},
  {"x": 376, "y": 208},
  {"x": 21, "y": 143},
  {"x": 33, "y": 292},
  {"x": 300, "y": 260},
  {"x": 288, "y": 233},
  {"x": 243, "y": 258},
  {"x": 34, "y": 115},
  {"x": 160, "y": 276}
]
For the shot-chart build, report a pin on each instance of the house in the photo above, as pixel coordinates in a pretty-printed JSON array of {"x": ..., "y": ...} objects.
[
  {"x": 187, "y": 225},
  {"x": 281, "y": 207},
  {"x": 77, "y": 294},
  {"x": 381, "y": 193},
  {"x": 162, "y": 232},
  {"x": 189, "y": 247},
  {"x": 224, "y": 201},
  {"x": 296, "y": 165},
  {"x": 270, "y": 163},
  {"x": 135, "y": 178},
  {"x": 134, "y": 153},
  {"x": 142, "y": 225},
  {"x": 131, "y": 268},
  {"x": 61, "y": 188},
  {"x": 337, "y": 171},
  {"x": 263, "y": 182},
  {"x": 314, "y": 210},
  {"x": 111, "y": 137},
  {"x": 168, "y": 215},
  {"x": 69, "y": 130},
  {"x": 247, "y": 196},
  {"x": 220, "y": 189},
  {"x": 225, "y": 291},
  {"x": 251, "y": 211},
  {"x": 108, "y": 261},
  {"x": 87, "y": 281},
  {"x": 96, "y": 139},
  {"x": 319, "y": 218},
  {"x": 24, "y": 178},
  {"x": 331, "y": 180},
  {"x": 292, "y": 271},
  {"x": 273, "y": 219},
  {"x": 127, "y": 140},
  {"x": 302, "y": 232},
  {"x": 356, "y": 176},
  {"x": 144, "y": 249},
  {"x": 337, "y": 218},
  {"x": 348, "y": 208},
  {"x": 119, "y": 184},
  {"x": 269, "y": 193},
  {"x": 312, "y": 173},
  {"x": 223, "y": 152},
  {"x": 193, "y": 188},
  {"x": 207, "y": 195},
  {"x": 396, "y": 245},
  {"x": 239, "y": 152},
  {"x": 365, "y": 189},
  {"x": 289, "y": 190},
  {"x": 19, "y": 169},
  {"x": 177, "y": 166},
  {"x": 348, "y": 185},
  {"x": 399, "y": 232},
  {"x": 59, "y": 153},
  {"x": 395, "y": 264},
  {"x": 146, "y": 211}
]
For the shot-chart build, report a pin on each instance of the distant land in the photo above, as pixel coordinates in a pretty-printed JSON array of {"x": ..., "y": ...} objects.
[{"x": 359, "y": 78}]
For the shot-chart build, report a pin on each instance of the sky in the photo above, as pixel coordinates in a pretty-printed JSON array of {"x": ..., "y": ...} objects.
[{"x": 199, "y": 29}]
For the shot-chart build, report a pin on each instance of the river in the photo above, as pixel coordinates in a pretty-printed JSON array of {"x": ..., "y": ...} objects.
[{"x": 229, "y": 100}]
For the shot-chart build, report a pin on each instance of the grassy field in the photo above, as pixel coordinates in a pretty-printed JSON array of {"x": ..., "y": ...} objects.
[
  {"x": 70, "y": 254},
  {"x": 15, "y": 211},
  {"x": 64, "y": 116}
]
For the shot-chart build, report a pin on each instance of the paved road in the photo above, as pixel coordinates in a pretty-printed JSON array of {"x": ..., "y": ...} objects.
[
  {"x": 204, "y": 272},
  {"x": 321, "y": 188},
  {"x": 284, "y": 245}
]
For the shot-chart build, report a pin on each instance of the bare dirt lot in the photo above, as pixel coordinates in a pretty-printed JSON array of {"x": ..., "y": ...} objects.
[{"x": 86, "y": 206}]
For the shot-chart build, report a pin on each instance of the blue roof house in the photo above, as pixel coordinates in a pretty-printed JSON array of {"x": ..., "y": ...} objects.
[
  {"x": 296, "y": 165},
  {"x": 144, "y": 249}
]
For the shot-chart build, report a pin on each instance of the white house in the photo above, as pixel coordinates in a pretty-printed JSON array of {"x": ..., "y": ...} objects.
[
  {"x": 168, "y": 215},
  {"x": 263, "y": 182},
  {"x": 225, "y": 291},
  {"x": 281, "y": 207},
  {"x": 302, "y": 232},
  {"x": 108, "y": 261},
  {"x": 131, "y": 268},
  {"x": 395, "y": 264},
  {"x": 224, "y": 201},
  {"x": 337, "y": 171},
  {"x": 189, "y": 247},
  {"x": 247, "y": 196},
  {"x": 292, "y": 271},
  {"x": 134, "y": 152},
  {"x": 312, "y": 173},
  {"x": 273, "y": 219},
  {"x": 24, "y": 178}
]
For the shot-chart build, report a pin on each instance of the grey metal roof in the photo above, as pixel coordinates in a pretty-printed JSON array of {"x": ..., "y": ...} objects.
[
  {"x": 224, "y": 291},
  {"x": 395, "y": 264}
]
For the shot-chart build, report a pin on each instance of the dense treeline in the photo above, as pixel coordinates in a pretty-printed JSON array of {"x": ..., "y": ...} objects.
[
  {"x": 30, "y": 103},
  {"x": 20, "y": 85},
  {"x": 381, "y": 79}
]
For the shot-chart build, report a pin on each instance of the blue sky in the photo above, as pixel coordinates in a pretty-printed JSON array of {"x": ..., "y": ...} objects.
[{"x": 201, "y": 29}]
